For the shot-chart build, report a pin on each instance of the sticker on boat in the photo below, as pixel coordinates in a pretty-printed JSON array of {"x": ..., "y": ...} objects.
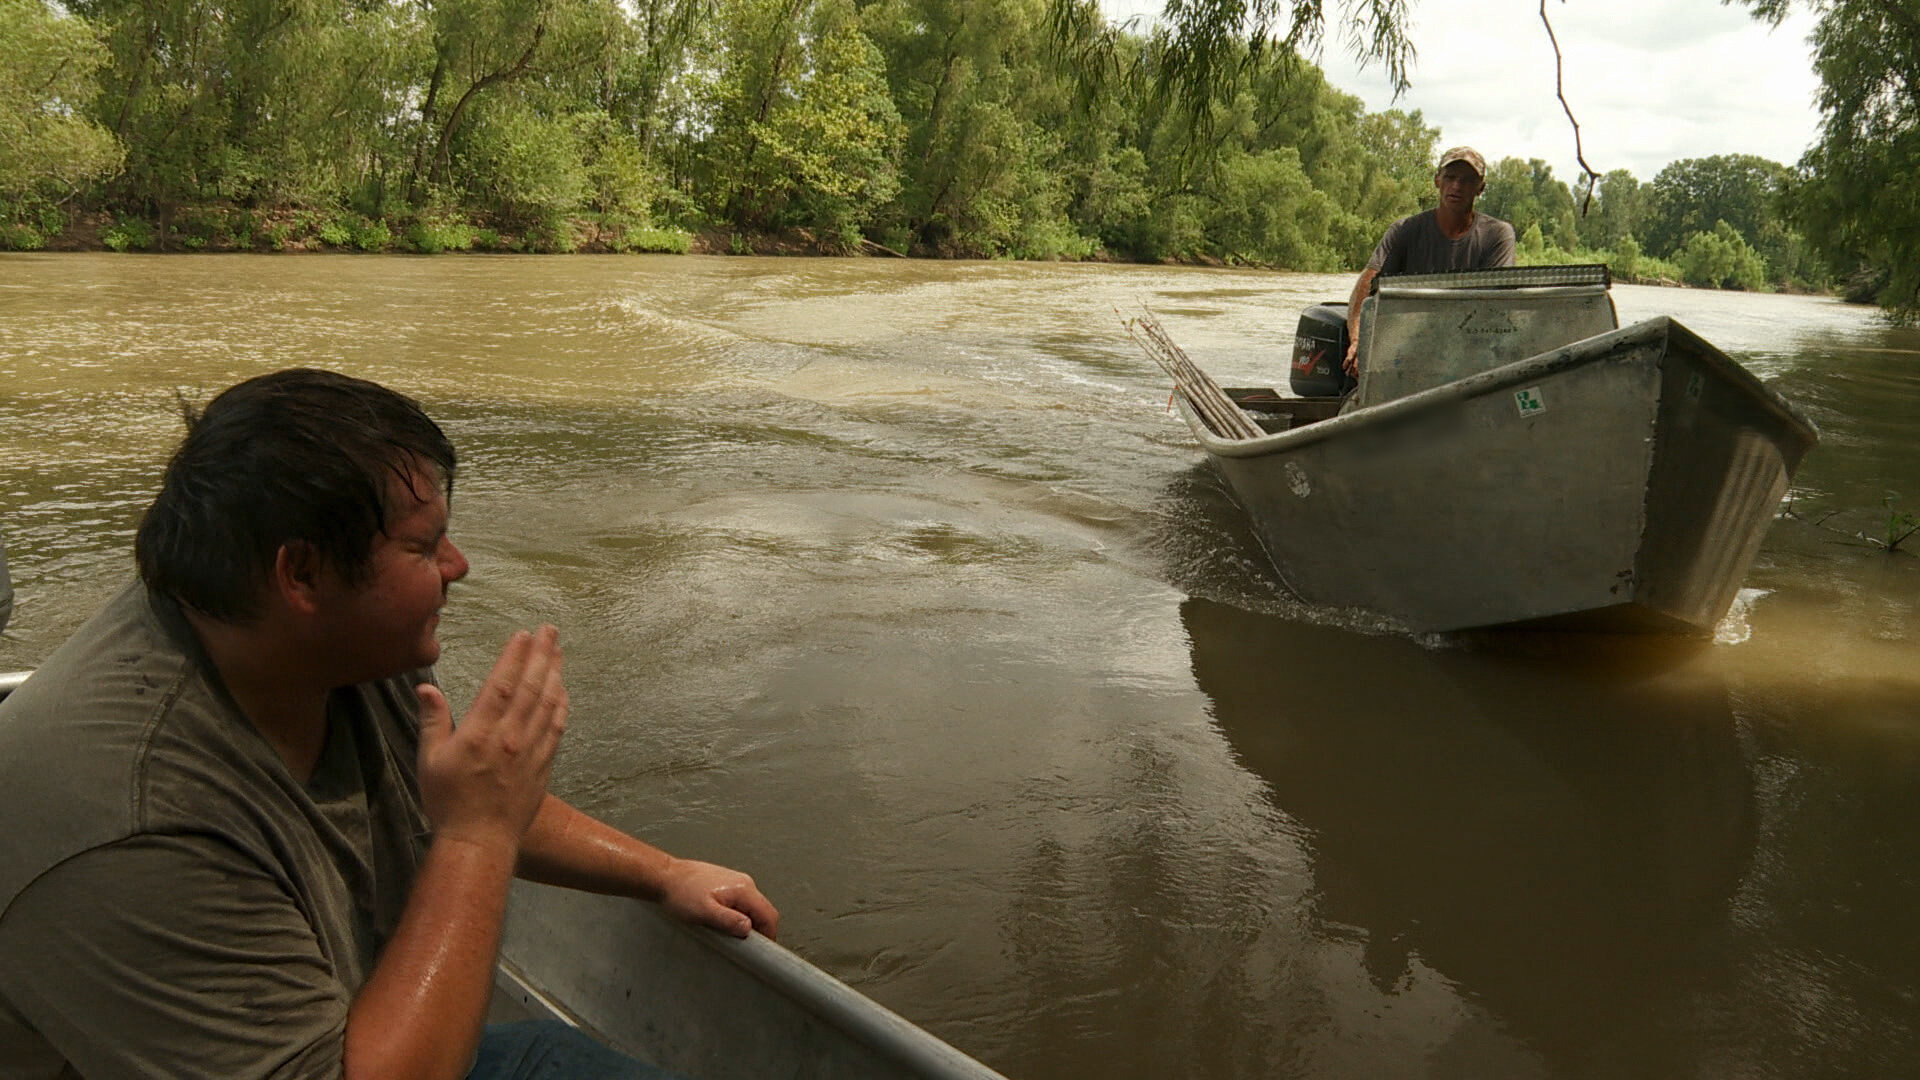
[
  {"x": 1529, "y": 401},
  {"x": 1297, "y": 480}
]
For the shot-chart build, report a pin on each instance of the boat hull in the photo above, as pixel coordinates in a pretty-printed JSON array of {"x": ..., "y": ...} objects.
[{"x": 1621, "y": 483}]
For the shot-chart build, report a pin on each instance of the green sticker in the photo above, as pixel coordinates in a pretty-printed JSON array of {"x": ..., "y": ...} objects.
[{"x": 1529, "y": 401}]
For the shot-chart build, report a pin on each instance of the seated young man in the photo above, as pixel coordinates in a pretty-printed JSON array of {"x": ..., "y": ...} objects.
[
  {"x": 245, "y": 837},
  {"x": 1451, "y": 236}
]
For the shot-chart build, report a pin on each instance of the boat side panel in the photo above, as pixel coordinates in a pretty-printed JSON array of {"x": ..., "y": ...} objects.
[
  {"x": 1517, "y": 502},
  {"x": 1426, "y": 338},
  {"x": 701, "y": 1004},
  {"x": 1723, "y": 457}
]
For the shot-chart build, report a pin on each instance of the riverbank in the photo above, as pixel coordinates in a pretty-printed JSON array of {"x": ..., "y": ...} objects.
[
  {"x": 231, "y": 230},
  {"x": 293, "y": 231}
]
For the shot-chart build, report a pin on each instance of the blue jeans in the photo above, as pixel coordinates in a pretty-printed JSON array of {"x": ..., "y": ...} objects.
[{"x": 550, "y": 1050}]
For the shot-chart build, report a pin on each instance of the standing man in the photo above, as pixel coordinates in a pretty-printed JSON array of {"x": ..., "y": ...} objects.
[
  {"x": 244, "y": 836},
  {"x": 1451, "y": 236}
]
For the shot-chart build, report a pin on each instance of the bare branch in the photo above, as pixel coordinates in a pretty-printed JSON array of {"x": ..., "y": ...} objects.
[{"x": 1559, "y": 90}]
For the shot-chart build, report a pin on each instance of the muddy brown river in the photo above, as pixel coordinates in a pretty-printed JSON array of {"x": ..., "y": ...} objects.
[{"x": 897, "y": 585}]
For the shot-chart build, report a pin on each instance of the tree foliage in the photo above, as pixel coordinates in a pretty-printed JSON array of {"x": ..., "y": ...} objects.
[
  {"x": 1021, "y": 128},
  {"x": 49, "y": 147},
  {"x": 1857, "y": 195},
  {"x": 1690, "y": 196}
]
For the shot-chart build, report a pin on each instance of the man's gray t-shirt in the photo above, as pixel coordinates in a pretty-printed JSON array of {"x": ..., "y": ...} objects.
[
  {"x": 173, "y": 901},
  {"x": 1416, "y": 245}
]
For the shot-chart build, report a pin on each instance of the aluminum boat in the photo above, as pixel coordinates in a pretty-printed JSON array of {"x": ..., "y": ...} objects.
[{"x": 1510, "y": 457}]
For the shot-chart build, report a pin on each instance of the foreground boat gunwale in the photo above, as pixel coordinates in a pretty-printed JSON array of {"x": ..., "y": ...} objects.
[
  {"x": 651, "y": 985},
  {"x": 792, "y": 977}
]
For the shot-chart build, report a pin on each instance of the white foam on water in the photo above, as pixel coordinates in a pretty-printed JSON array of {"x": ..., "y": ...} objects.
[{"x": 1737, "y": 626}]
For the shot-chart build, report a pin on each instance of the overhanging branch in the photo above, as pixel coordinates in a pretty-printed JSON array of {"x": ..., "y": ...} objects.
[{"x": 1559, "y": 90}]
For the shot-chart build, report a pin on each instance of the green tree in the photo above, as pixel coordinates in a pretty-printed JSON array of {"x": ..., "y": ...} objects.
[
  {"x": 488, "y": 48},
  {"x": 248, "y": 101},
  {"x": 1209, "y": 41},
  {"x": 49, "y": 147},
  {"x": 1615, "y": 216},
  {"x": 1526, "y": 193},
  {"x": 1857, "y": 197},
  {"x": 1690, "y": 195},
  {"x": 1623, "y": 258},
  {"x": 989, "y": 121},
  {"x": 804, "y": 131},
  {"x": 1722, "y": 258}
]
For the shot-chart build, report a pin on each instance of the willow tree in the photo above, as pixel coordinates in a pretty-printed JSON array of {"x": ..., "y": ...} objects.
[
  {"x": 1209, "y": 43},
  {"x": 48, "y": 146},
  {"x": 246, "y": 101},
  {"x": 486, "y": 50},
  {"x": 1857, "y": 197},
  {"x": 799, "y": 130},
  {"x": 986, "y": 167}
]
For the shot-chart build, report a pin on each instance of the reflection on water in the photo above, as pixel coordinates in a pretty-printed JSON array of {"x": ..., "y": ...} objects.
[
  {"x": 1556, "y": 838},
  {"x": 898, "y": 585}
]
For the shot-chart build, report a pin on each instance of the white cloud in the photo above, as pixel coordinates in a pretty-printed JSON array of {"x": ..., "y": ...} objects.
[{"x": 1650, "y": 81}]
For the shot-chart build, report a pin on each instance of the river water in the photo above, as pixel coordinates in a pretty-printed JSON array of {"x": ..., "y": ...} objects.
[{"x": 897, "y": 585}]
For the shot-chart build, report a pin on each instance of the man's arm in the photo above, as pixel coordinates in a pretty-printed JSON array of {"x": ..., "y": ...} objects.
[
  {"x": 1360, "y": 290},
  {"x": 1503, "y": 247},
  {"x": 568, "y": 848},
  {"x": 420, "y": 1012}
]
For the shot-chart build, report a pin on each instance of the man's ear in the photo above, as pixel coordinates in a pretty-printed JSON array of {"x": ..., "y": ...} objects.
[{"x": 297, "y": 572}]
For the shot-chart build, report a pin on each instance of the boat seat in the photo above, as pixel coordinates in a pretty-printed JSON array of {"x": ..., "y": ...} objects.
[{"x": 1426, "y": 330}]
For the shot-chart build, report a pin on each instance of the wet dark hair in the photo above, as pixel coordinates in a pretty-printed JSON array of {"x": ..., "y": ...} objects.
[{"x": 296, "y": 456}]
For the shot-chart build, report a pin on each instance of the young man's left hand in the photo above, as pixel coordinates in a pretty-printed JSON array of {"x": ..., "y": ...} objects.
[{"x": 715, "y": 896}]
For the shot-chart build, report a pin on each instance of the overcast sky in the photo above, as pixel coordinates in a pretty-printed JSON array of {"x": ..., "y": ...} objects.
[{"x": 1650, "y": 81}]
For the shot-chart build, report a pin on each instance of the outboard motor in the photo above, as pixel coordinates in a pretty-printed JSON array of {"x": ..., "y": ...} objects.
[{"x": 1320, "y": 352}]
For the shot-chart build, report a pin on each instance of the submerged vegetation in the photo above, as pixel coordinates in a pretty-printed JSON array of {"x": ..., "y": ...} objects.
[{"x": 999, "y": 128}]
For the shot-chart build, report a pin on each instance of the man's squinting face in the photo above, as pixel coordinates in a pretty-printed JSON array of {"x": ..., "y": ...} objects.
[
  {"x": 386, "y": 624},
  {"x": 1459, "y": 185}
]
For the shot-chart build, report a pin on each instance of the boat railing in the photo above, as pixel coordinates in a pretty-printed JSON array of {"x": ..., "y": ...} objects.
[
  {"x": 1432, "y": 292},
  {"x": 1504, "y": 277}
]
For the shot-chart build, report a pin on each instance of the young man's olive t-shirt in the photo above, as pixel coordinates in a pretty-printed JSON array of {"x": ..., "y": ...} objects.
[
  {"x": 173, "y": 901},
  {"x": 1416, "y": 245}
]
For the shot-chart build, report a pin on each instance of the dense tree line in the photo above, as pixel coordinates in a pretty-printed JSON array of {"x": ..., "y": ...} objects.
[
  {"x": 1023, "y": 128},
  {"x": 1717, "y": 221},
  {"x": 966, "y": 127}
]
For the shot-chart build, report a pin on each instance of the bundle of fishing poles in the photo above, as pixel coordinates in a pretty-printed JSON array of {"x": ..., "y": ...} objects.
[{"x": 1212, "y": 403}]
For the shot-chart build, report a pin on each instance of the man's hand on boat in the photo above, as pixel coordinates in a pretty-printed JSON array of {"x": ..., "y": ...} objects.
[{"x": 709, "y": 895}]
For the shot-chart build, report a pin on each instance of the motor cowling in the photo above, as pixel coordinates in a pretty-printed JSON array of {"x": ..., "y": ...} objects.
[{"x": 1320, "y": 352}]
